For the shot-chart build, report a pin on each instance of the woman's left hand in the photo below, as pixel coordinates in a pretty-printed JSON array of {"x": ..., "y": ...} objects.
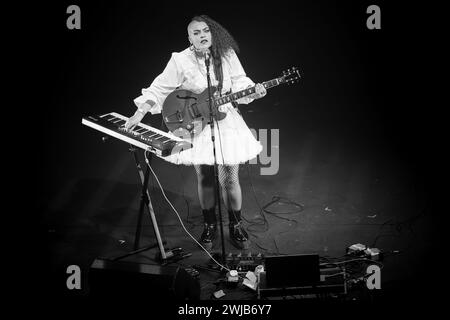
[{"x": 260, "y": 91}]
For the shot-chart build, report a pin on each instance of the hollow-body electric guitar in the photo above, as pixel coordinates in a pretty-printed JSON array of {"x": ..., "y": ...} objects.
[{"x": 187, "y": 113}]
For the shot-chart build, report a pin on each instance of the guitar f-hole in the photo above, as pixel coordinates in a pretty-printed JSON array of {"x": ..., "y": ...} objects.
[{"x": 185, "y": 97}]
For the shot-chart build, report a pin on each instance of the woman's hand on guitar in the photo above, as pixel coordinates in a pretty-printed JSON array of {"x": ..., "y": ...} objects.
[
  {"x": 260, "y": 91},
  {"x": 134, "y": 120}
]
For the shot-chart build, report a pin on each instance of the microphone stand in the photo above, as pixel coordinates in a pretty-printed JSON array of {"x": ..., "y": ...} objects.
[{"x": 216, "y": 175}]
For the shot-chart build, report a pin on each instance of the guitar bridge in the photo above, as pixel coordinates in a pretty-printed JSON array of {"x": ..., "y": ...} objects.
[
  {"x": 177, "y": 115},
  {"x": 193, "y": 110}
]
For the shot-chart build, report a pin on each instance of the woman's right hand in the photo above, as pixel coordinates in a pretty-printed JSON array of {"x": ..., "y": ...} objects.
[{"x": 134, "y": 120}]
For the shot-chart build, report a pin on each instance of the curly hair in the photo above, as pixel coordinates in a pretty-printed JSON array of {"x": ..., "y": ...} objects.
[{"x": 222, "y": 42}]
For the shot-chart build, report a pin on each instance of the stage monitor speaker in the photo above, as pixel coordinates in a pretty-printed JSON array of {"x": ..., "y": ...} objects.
[
  {"x": 137, "y": 280},
  {"x": 292, "y": 270}
]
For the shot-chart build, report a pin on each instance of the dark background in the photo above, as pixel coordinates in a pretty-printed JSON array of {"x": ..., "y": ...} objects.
[
  {"x": 365, "y": 84},
  {"x": 363, "y": 87}
]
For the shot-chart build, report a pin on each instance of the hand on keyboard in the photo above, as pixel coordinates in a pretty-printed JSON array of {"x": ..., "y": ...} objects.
[{"x": 133, "y": 121}]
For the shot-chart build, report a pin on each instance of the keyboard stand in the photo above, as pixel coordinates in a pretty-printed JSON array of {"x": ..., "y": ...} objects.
[{"x": 164, "y": 256}]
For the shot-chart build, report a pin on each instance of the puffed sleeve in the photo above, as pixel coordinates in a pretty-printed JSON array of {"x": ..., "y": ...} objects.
[
  {"x": 161, "y": 87},
  {"x": 239, "y": 79}
]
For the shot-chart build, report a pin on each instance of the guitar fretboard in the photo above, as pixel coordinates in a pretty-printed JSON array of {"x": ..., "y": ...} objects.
[{"x": 243, "y": 93}]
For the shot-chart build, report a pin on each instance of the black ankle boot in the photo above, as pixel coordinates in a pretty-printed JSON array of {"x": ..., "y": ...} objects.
[
  {"x": 210, "y": 228},
  {"x": 208, "y": 235},
  {"x": 238, "y": 235}
]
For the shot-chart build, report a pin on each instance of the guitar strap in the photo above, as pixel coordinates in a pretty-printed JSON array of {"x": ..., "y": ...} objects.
[{"x": 236, "y": 107}]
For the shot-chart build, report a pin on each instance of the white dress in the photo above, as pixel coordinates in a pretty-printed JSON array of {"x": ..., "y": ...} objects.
[{"x": 234, "y": 142}]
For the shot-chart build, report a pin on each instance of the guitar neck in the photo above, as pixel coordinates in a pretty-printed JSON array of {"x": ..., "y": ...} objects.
[{"x": 243, "y": 93}]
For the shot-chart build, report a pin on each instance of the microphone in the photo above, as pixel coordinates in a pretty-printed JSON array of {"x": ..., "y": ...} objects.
[
  {"x": 203, "y": 52},
  {"x": 207, "y": 54}
]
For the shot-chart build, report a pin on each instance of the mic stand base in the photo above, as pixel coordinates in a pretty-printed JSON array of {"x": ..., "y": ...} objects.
[{"x": 172, "y": 255}]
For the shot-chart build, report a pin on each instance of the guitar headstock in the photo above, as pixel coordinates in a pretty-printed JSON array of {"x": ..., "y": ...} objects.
[{"x": 290, "y": 76}]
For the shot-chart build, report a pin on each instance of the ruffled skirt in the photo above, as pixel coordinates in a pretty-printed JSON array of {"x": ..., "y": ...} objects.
[{"x": 234, "y": 143}]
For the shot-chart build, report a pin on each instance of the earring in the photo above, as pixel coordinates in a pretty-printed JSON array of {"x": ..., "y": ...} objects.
[{"x": 191, "y": 47}]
